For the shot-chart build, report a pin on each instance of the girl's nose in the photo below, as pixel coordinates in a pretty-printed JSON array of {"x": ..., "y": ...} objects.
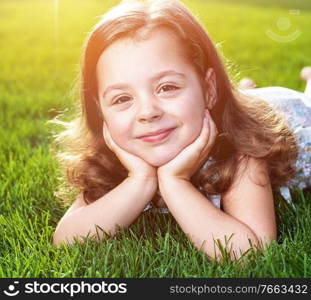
[{"x": 149, "y": 111}]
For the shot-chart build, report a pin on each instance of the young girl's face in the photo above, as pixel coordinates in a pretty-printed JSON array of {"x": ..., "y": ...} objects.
[{"x": 151, "y": 96}]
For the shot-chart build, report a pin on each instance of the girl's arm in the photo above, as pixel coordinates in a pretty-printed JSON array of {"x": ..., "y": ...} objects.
[
  {"x": 121, "y": 206},
  {"x": 250, "y": 200},
  {"x": 248, "y": 213},
  {"x": 248, "y": 207}
]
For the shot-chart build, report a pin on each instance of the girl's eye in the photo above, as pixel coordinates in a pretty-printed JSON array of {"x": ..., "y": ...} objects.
[
  {"x": 168, "y": 88},
  {"x": 121, "y": 100}
]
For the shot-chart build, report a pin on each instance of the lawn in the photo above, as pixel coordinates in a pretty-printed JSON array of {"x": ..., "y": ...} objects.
[{"x": 40, "y": 50}]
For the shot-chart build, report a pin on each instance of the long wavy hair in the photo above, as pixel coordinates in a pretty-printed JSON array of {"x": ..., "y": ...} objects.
[{"x": 248, "y": 126}]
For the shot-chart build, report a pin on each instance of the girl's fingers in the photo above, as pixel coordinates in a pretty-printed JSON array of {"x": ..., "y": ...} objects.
[
  {"x": 205, "y": 132},
  {"x": 198, "y": 146},
  {"x": 211, "y": 136},
  {"x": 105, "y": 134},
  {"x": 111, "y": 144},
  {"x": 107, "y": 137},
  {"x": 213, "y": 130}
]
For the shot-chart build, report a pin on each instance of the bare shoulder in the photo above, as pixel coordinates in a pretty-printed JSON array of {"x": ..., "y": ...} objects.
[
  {"x": 253, "y": 169},
  {"x": 250, "y": 198}
]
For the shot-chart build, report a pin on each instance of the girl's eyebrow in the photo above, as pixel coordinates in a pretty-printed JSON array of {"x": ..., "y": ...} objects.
[
  {"x": 156, "y": 77},
  {"x": 166, "y": 73},
  {"x": 117, "y": 86}
]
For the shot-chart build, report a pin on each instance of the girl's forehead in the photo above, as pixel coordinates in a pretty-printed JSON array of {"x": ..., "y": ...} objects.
[
  {"x": 134, "y": 62},
  {"x": 152, "y": 41}
]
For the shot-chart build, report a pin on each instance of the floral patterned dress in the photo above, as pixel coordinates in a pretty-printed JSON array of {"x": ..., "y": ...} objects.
[{"x": 296, "y": 109}]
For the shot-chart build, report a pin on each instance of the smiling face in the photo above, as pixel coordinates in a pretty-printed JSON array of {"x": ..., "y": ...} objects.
[{"x": 151, "y": 97}]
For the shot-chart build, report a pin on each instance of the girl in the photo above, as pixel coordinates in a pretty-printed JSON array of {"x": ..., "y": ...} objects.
[{"x": 160, "y": 123}]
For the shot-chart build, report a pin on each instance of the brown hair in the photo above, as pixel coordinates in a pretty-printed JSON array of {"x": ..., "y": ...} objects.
[{"x": 248, "y": 126}]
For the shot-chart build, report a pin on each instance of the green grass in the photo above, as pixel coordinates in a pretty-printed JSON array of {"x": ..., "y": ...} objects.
[{"x": 38, "y": 66}]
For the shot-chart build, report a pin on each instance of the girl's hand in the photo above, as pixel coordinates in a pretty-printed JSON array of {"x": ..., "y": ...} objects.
[
  {"x": 186, "y": 163},
  {"x": 136, "y": 166}
]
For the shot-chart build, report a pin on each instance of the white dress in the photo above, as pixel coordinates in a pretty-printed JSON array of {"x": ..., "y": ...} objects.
[{"x": 296, "y": 109}]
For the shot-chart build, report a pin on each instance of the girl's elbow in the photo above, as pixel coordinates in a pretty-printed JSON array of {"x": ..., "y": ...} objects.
[
  {"x": 233, "y": 247},
  {"x": 255, "y": 244},
  {"x": 59, "y": 238},
  {"x": 64, "y": 235},
  {"x": 263, "y": 241},
  {"x": 264, "y": 236}
]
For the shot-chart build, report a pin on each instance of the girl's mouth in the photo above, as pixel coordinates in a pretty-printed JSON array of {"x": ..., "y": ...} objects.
[{"x": 157, "y": 137}]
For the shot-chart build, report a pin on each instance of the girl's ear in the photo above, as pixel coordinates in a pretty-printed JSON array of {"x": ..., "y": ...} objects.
[{"x": 210, "y": 89}]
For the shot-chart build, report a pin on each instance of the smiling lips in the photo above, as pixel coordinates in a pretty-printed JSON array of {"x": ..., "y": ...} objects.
[{"x": 157, "y": 136}]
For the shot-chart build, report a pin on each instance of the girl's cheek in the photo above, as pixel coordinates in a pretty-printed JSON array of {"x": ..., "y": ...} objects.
[{"x": 122, "y": 136}]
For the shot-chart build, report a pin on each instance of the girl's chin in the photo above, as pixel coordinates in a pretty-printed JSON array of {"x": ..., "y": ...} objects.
[
  {"x": 158, "y": 157},
  {"x": 159, "y": 161}
]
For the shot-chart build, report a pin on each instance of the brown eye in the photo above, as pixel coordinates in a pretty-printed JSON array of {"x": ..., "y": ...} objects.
[
  {"x": 168, "y": 88},
  {"x": 121, "y": 100}
]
